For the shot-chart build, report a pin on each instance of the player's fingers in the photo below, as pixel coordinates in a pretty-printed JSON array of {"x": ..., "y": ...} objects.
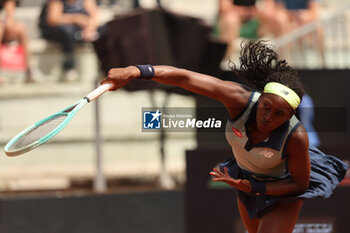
[
  {"x": 229, "y": 182},
  {"x": 105, "y": 80},
  {"x": 112, "y": 73},
  {"x": 238, "y": 181},
  {"x": 215, "y": 174},
  {"x": 219, "y": 179},
  {"x": 116, "y": 85},
  {"x": 226, "y": 171},
  {"x": 218, "y": 172}
]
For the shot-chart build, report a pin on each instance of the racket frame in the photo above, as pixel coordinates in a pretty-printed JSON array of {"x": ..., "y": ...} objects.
[{"x": 69, "y": 112}]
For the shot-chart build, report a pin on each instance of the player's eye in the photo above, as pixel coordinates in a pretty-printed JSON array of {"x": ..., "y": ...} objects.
[{"x": 267, "y": 106}]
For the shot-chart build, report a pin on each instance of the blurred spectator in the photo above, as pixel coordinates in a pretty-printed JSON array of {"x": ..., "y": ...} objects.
[
  {"x": 69, "y": 22},
  {"x": 252, "y": 19},
  {"x": 137, "y": 3},
  {"x": 236, "y": 18},
  {"x": 110, "y": 2},
  {"x": 14, "y": 31},
  {"x": 282, "y": 16}
]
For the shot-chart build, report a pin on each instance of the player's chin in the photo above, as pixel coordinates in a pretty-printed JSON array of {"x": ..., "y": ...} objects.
[{"x": 265, "y": 128}]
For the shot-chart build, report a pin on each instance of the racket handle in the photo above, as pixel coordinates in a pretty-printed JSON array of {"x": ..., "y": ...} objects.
[{"x": 99, "y": 91}]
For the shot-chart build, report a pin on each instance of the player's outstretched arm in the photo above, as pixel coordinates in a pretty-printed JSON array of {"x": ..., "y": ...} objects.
[{"x": 231, "y": 94}]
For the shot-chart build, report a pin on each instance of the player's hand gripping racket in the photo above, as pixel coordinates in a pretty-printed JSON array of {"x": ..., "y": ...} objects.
[{"x": 43, "y": 130}]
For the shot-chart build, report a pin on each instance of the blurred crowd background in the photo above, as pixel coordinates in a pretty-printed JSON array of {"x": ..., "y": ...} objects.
[{"x": 43, "y": 68}]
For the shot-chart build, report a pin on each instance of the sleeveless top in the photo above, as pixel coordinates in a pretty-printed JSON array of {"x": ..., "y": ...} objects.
[
  {"x": 263, "y": 160},
  {"x": 74, "y": 7}
]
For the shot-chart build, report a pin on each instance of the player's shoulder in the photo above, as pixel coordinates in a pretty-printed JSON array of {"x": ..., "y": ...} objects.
[
  {"x": 299, "y": 140},
  {"x": 238, "y": 99},
  {"x": 239, "y": 92}
]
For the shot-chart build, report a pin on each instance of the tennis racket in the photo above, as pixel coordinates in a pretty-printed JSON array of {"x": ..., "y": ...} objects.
[{"x": 43, "y": 130}]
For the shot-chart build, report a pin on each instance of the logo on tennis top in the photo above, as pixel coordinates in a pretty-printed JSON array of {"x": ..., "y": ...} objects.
[
  {"x": 152, "y": 119},
  {"x": 266, "y": 153},
  {"x": 237, "y": 132}
]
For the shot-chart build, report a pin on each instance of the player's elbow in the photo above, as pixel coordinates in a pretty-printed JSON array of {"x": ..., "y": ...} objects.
[
  {"x": 302, "y": 187},
  {"x": 301, "y": 190}
]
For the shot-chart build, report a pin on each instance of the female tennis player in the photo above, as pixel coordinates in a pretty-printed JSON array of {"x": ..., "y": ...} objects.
[{"x": 273, "y": 168}]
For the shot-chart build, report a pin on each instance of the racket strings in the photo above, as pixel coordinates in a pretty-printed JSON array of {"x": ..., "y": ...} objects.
[{"x": 38, "y": 132}]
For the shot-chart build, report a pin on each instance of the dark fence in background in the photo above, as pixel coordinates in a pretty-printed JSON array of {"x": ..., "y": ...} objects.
[
  {"x": 329, "y": 89},
  {"x": 149, "y": 212}
]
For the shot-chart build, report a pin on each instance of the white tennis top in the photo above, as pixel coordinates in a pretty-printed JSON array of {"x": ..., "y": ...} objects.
[{"x": 265, "y": 159}]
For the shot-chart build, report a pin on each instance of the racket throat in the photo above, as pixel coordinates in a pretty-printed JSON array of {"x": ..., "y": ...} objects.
[
  {"x": 87, "y": 99},
  {"x": 70, "y": 108}
]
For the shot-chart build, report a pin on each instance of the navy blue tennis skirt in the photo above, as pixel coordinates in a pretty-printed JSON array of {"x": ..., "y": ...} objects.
[{"x": 326, "y": 173}]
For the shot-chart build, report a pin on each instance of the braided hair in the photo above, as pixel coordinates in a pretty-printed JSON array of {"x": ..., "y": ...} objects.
[{"x": 260, "y": 64}]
